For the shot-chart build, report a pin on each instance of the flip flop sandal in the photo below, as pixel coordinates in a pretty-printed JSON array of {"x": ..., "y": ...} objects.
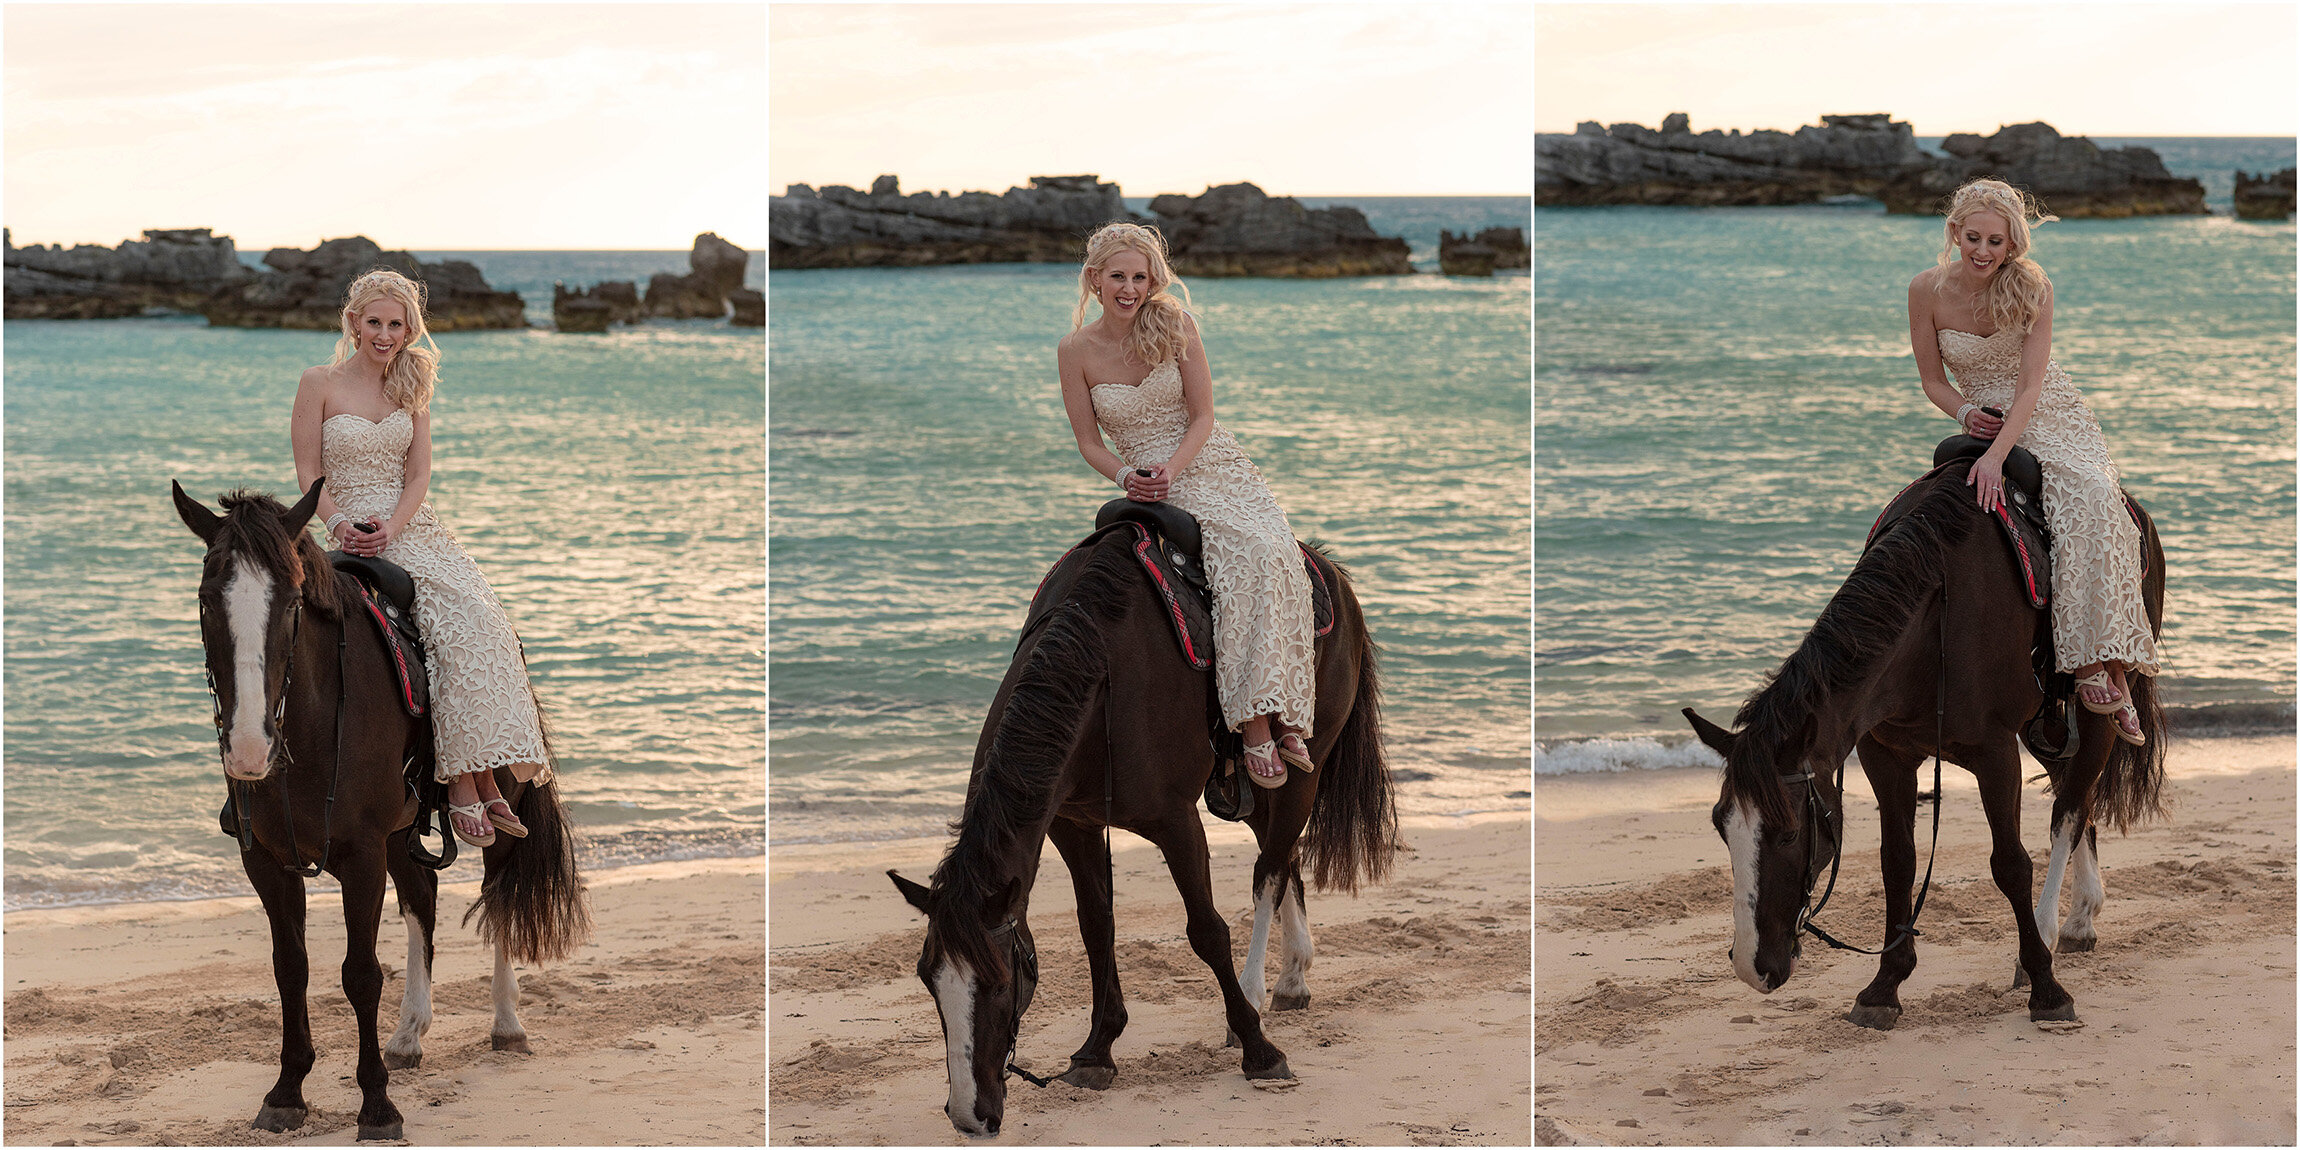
[
  {"x": 2122, "y": 733},
  {"x": 476, "y": 812},
  {"x": 1265, "y": 752},
  {"x": 2099, "y": 679},
  {"x": 506, "y": 822},
  {"x": 1290, "y": 748}
]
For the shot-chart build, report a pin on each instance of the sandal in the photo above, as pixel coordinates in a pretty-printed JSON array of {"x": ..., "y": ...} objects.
[
  {"x": 2130, "y": 735},
  {"x": 1291, "y": 749},
  {"x": 2099, "y": 679},
  {"x": 1265, "y": 754},
  {"x": 506, "y": 822},
  {"x": 477, "y": 813}
]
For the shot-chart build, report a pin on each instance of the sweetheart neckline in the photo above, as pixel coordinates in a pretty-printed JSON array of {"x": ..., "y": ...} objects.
[
  {"x": 362, "y": 418},
  {"x": 1972, "y": 335},
  {"x": 1145, "y": 379}
]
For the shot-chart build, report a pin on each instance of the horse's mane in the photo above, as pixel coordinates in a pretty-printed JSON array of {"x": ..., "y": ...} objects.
[
  {"x": 1889, "y": 585},
  {"x": 251, "y": 527},
  {"x": 1061, "y": 675}
]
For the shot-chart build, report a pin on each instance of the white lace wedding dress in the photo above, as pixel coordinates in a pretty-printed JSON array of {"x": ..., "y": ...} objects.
[
  {"x": 2097, "y": 613},
  {"x": 482, "y": 713},
  {"x": 1263, "y": 643}
]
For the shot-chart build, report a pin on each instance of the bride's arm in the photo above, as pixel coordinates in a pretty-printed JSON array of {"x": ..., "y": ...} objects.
[
  {"x": 1925, "y": 344},
  {"x": 304, "y": 421},
  {"x": 1197, "y": 399},
  {"x": 1079, "y": 406},
  {"x": 418, "y": 480}
]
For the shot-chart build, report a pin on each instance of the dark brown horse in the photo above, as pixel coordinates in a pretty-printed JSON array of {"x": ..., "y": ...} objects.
[
  {"x": 311, "y": 729},
  {"x": 1099, "y": 695},
  {"x": 1931, "y": 632}
]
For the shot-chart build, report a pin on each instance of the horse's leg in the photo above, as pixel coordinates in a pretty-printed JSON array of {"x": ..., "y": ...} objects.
[
  {"x": 1183, "y": 839},
  {"x": 418, "y": 888},
  {"x": 1081, "y": 846},
  {"x": 507, "y": 1033},
  {"x": 282, "y": 893},
  {"x": 1269, "y": 888},
  {"x": 362, "y": 879},
  {"x": 2077, "y": 933},
  {"x": 2066, "y": 829},
  {"x": 2072, "y": 784},
  {"x": 1892, "y": 773},
  {"x": 1293, "y": 991},
  {"x": 1998, "y": 771}
]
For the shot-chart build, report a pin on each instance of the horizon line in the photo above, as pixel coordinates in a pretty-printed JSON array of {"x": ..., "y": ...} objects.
[{"x": 1999, "y": 127}]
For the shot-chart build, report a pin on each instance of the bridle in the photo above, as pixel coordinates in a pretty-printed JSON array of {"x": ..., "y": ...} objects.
[
  {"x": 1022, "y": 966},
  {"x": 281, "y": 758}
]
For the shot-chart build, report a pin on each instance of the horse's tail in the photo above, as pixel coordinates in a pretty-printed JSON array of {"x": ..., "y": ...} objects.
[
  {"x": 2131, "y": 785},
  {"x": 1353, "y": 828},
  {"x": 532, "y": 905}
]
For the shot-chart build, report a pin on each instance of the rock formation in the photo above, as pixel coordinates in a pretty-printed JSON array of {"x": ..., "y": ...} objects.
[
  {"x": 839, "y": 227},
  {"x": 750, "y": 308},
  {"x": 592, "y": 309},
  {"x": 1238, "y": 230},
  {"x": 2264, "y": 197},
  {"x": 1865, "y": 155},
  {"x": 168, "y": 270},
  {"x": 1480, "y": 255},
  {"x": 305, "y": 290},
  {"x": 714, "y": 279}
]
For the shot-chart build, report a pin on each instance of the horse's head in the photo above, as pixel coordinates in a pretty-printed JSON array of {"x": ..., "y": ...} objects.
[
  {"x": 259, "y": 570},
  {"x": 981, "y": 968},
  {"x": 1781, "y": 825}
]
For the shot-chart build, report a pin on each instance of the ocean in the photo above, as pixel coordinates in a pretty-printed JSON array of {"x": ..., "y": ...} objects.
[
  {"x": 1725, "y": 398},
  {"x": 608, "y": 485},
  {"x": 924, "y": 479}
]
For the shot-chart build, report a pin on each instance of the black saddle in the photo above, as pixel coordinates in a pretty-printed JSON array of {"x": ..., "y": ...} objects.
[
  {"x": 2020, "y": 516},
  {"x": 389, "y": 593}
]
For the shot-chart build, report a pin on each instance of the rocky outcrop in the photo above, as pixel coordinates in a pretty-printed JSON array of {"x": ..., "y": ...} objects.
[
  {"x": 1865, "y": 155},
  {"x": 1238, "y": 230},
  {"x": 2264, "y": 197},
  {"x": 305, "y": 290},
  {"x": 715, "y": 271},
  {"x": 1483, "y": 253},
  {"x": 2071, "y": 176},
  {"x": 750, "y": 308},
  {"x": 839, "y": 227},
  {"x": 168, "y": 270},
  {"x": 592, "y": 309}
]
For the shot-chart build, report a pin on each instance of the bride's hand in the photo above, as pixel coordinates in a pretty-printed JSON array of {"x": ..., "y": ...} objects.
[
  {"x": 1987, "y": 479},
  {"x": 359, "y": 542},
  {"x": 1149, "y": 488}
]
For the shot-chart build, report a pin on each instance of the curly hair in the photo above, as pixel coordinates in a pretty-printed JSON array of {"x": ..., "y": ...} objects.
[
  {"x": 408, "y": 381},
  {"x": 2014, "y": 295},
  {"x": 1159, "y": 333}
]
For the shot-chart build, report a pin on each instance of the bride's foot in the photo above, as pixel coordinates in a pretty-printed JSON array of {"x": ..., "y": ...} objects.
[
  {"x": 467, "y": 813},
  {"x": 498, "y": 808},
  {"x": 2100, "y": 688},
  {"x": 1264, "y": 766},
  {"x": 1294, "y": 751}
]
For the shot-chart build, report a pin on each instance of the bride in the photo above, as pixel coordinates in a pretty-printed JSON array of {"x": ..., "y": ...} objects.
[
  {"x": 1140, "y": 374},
  {"x": 364, "y": 422}
]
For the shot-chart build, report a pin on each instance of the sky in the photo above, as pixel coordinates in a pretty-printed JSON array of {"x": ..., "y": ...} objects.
[
  {"x": 423, "y": 127},
  {"x": 1304, "y": 99},
  {"x": 2090, "y": 69}
]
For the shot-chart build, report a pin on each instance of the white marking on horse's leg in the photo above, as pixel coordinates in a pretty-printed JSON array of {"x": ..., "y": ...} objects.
[
  {"x": 406, "y": 1045},
  {"x": 954, "y": 997},
  {"x": 2088, "y": 896},
  {"x": 2048, "y": 905},
  {"x": 506, "y": 988},
  {"x": 247, "y": 615},
  {"x": 1743, "y": 829},
  {"x": 1294, "y": 945},
  {"x": 1257, "y": 951}
]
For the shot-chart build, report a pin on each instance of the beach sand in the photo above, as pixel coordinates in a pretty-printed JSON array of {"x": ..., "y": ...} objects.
[
  {"x": 1646, "y": 1037},
  {"x": 1418, "y": 1030},
  {"x": 158, "y": 1023}
]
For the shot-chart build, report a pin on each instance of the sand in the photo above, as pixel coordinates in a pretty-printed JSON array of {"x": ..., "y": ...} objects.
[
  {"x": 1644, "y": 1035},
  {"x": 158, "y": 1024},
  {"x": 1418, "y": 1030}
]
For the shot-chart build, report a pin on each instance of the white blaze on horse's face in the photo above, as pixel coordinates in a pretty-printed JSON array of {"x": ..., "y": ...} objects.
[
  {"x": 247, "y": 615},
  {"x": 1743, "y": 831},
  {"x": 954, "y": 996}
]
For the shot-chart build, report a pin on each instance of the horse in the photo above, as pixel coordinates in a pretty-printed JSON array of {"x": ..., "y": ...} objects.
[
  {"x": 314, "y": 738},
  {"x": 1925, "y": 650},
  {"x": 1101, "y": 722}
]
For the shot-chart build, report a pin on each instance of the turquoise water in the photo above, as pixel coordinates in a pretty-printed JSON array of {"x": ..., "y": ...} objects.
[
  {"x": 609, "y": 486},
  {"x": 1726, "y": 397},
  {"x": 925, "y": 478}
]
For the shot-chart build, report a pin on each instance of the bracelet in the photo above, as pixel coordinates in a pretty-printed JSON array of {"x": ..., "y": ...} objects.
[
  {"x": 1120, "y": 477},
  {"x": 1965, "y": 413},
  {"x": 335, "y": 520}
]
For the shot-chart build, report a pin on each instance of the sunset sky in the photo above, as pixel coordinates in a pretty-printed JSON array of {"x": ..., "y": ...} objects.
[
  {"x": 426, "y": 127},
  {"x": 1313, "y": 99},
  {"x": 2087, "y": 69}
]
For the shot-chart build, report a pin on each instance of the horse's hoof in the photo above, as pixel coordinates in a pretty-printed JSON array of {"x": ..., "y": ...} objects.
[
  {"x": 394, "y": 1060},
  {"x": 515, "y": 1043},
  {"x": 2065, "y": 1012},
  {"x": 278, "y": 1119},
  {"x": 1278, "y": 1070},
  {"x": 1874, "y": 1017},
  {"x": 2075, "y": 945},
  {"x": 387, "y": 1132},
  {"x": 1290, "y": 1001},
  {"x": 1090, "y": 1077}
]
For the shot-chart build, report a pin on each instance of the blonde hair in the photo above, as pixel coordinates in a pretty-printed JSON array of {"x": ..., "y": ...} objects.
[
  {"x": 2014, "y": 295},
  {"x": 1158, "y": 333},
  {"x": 407, "y": 381}
]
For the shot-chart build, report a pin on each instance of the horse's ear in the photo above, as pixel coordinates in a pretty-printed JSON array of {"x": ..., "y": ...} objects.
[
  {"x": 912, "y": 893},
  {"x": 300, "y": 514},
  {"x": 1717, "y": 738},
  {"x": 203, "y": 522}
]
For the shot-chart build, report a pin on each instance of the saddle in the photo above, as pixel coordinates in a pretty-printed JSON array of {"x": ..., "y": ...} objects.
[
  {"x": 388, "y": 592},
  {"x": 2020, "y": 516}
]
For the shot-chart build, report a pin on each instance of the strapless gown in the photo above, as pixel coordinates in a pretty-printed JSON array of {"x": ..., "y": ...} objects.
[
  {"x": 2097, "y": 613},
  {"x": 482, "y": 712},
  {"x": 1264, "y": 654}
]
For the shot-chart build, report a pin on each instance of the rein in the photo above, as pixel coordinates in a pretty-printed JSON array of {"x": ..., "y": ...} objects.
[{"x": 1815, "y": 807}]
